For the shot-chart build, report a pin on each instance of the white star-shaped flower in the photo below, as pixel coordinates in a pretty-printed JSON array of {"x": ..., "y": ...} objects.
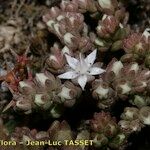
[{"x": 81, "y": 69}]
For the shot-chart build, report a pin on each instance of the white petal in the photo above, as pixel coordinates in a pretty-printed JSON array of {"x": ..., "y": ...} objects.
[
  {"x": 91, "y": 58},
  {"x": 96, "y": 71},
  {"x": 71, "y": 61},
  {"x": 82, "y": 81},
  {"x": 68, "y": 75}
]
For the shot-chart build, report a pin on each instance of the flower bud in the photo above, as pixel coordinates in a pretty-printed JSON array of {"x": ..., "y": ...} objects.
[
  {"x": 144, "y": 115},
  {"x": 105, "y": 3},
  {"x": 124, "y": 87},
  {"x": 101, "y": 91},
  {"x": 140, "y": 101},
  {"x": 108, "y": 5},
  {"x": 69, "y": 93},
  {"x": 43, "y": 100},
  {"x": 56, "y": 60},
  {"x": 26, "y": 87},
  {"x": 24, "y": 104},
  {"x": 41, "y": 78},
  {"x": 135, "y": 44},
  {"x": 116, "y": 67},
  {"x": 87, "y": 5},
  {"x": 118, "y": 141},
  {"x": 85, "y": 44},
  {"x": 53, "y": 13},
  {"x": 130, "y": 113},
  {"x": 69, "y": 6},
  {"x": 130, "y": 126},
  {"x": 99, "y": 140},
  {"x": 107, "y": 26},
  {"x": 68, "y": 38},
  {"x": 60, "y": 131},
  {"x": 46, "y": 81},
  {"x": 103, "y": 122}
]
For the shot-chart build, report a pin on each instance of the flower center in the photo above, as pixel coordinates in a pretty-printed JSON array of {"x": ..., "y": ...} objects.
[{"x": 82, "y": 67}]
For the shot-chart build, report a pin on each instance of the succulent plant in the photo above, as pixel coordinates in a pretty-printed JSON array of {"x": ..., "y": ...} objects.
[
  {"x": 44, "y": 92},
  {"x": 120, "y": 81},
  {"x": 134, "y": 119},
  {"x": 105, "y": 131},
  {"x": 137, "y": 48}
]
